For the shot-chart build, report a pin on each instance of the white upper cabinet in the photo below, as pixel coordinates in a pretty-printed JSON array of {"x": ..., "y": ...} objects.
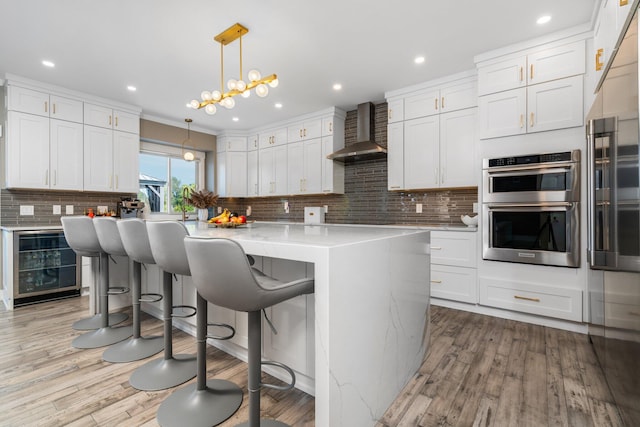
[
  {"x": 272, "y": 137},
  {"x": 539, "y": 91},
  {"x": 304, "y": 161},
  {"x": 607, "y": 29},
  {"x": 420, "y": 155},
  {"x": 309, "y": 129},
  {"x": 395, "y": 111},
  {"x": 539, "y": 66},
  {"x": 272, "y": 170},
  {"x": 547, "y": 106},
  {"x": 43, "y": 104},
  {"x": 231, "y": 166},
  {"x": 105, "y": 117},
  {"x": 126, "y": 151},
  {"x": 43, "y": 153}
]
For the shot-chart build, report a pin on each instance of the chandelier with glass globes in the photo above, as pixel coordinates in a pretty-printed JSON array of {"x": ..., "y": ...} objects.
[{"x": 209, "y": 99}]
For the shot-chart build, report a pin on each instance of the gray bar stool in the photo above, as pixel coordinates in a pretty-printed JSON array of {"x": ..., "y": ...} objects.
[
  {"x": 165, "y": 239},
  {"x": 129, "y": 237},
  {"x": 222, "y": 275},
  {"x": 81, "y": 237},
  {"x": 208, "y": 402},
  {"x": 105, "y": 335}
]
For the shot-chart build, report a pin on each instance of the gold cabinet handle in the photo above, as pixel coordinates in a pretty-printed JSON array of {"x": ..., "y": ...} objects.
[
  {"x": 599, "y": 63},
  {"x": 531, "y": 72},
  {"x": 300, "y": 132},
  {"x": 436, "y": 103},
  {"x": 395, "y": 186},
  {"x": 110, "y": 181},
  {"x": 54, "y": 108},
  {"x": 55, "y": 177},
  {"x": 116, "y": 121},
  {"x": 330, "y": 126},
  {"x": 436, "y": 281},
  {"x": 624, "y": 2},
  {"x": 46, "y": 107},
  {"x": 442, "y": 102},
  {"x": 531, "y": 120},
  {"x": 527, "y": 298},
  {"x": 390, "y": 113},
  {"x": 46, "y": 177},
  {"x": 109, "y": 120},
  {"x": 117, "y": 182},
  {"x": 305, "y": 132},
  {"x": 521, "y": 120},
  {"x": 521, "y": 73}
]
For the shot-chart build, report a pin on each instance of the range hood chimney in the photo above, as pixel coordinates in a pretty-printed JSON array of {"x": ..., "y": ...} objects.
[{"x": 364, "y": 148}]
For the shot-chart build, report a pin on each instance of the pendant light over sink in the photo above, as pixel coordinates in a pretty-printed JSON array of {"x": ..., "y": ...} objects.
[
  {"x": 235, "y": 87},
  {"x": 188, "y": 155}
]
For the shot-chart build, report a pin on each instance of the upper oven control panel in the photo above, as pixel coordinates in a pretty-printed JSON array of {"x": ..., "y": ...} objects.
[{"x": 530, "y": 159}]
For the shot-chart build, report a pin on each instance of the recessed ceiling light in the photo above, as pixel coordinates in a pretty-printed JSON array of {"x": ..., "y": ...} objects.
[
  {"x": 419, "y": 59},
  {"x": 337, "y": 86},
  {"x": 47, "y": 63},
  {"x": 278, "y": 105},
  {"x": 235, "y": 119},
  {"x": 543, "y": 19},
  {"x": 189, "y": 105},
  {"x": 131, "y": 88}
]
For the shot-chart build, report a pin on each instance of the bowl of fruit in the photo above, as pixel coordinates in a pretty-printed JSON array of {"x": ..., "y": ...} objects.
[{"x": 228, "y": 219}]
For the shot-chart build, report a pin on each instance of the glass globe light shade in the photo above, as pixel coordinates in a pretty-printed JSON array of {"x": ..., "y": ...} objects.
[
  {"x": 230, "y": 103},
  {"x": 188, "y": 156},
  {"x": 246, "y": 93},
  {"x": 240, "y": 85},
  {"x": 231, "y": 84},
  {"x": 262, "y": 90},
  {"x": 216, "y": 95},
  {"x": 253, "y": 75},
  {"x": 274, "y": 83},
  {"x": 194, "y": 103},
  {"x": 210, "y": 109},
  {"x": 205, "y": 95}
]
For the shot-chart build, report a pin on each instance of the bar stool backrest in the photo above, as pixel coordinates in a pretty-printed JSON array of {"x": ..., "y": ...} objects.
[
  {"x": 109, "y": 236},
  {"x": 134, "y": 236},
  {"x": 81, "y": 235},
  {"x": 166, "y": 241},
  {"x": 222, "y": 275}
]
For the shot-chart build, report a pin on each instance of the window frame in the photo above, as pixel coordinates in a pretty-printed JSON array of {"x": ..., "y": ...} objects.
[{"x": 154, "y": 148}]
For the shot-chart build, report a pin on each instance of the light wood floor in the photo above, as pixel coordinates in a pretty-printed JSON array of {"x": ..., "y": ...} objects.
[{"x": 480, "y": 371}]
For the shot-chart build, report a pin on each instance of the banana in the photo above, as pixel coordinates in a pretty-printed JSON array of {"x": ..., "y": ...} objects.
[{"x": 224, "y": 214}]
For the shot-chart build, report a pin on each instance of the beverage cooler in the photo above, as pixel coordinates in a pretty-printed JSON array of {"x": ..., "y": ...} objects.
[{"x": 44, "y": 267}]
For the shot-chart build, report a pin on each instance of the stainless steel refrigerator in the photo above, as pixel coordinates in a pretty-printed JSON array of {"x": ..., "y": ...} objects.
[{"x": 613, "y": 170}]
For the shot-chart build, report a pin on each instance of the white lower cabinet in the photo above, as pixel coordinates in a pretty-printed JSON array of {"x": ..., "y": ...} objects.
[
  {"x": 533, "y": 298},
  {"x": 453, "y": 266}
]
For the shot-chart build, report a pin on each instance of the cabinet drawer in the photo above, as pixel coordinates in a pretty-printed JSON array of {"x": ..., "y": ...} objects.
[
  {"x": 454, "y": 283},
  {"x": 454, "y": 248},
  {"x": 552, "y": 301}
]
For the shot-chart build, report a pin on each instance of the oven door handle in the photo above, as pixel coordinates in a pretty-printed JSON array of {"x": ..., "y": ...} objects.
[
  {"x": 521, "y": 206},
  {"x": 527, "y": 171}
]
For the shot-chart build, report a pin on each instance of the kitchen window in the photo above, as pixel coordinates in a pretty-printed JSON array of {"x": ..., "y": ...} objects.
[{"x": 164, "y": 175}]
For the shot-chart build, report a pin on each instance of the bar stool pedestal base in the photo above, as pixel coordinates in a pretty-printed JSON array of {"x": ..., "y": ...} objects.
[
  {"x": 95, "y": 322},
  {"x": 102, "y": 337},
  {"x": 134, "y": 349},
  {"x": 209, "y": 407},
  {"x": 161, "y": 374}
]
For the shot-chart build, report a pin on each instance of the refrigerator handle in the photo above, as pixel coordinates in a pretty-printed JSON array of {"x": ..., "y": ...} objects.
[{"x": 591, "y": 192}]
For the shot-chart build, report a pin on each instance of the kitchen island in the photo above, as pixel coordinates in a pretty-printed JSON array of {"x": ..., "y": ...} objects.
[{"x": 371, "y": 308}]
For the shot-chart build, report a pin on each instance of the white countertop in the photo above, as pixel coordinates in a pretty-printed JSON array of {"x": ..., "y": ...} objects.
[
  {"x": 192, "y": 225},
  {"x": 321, "y": 236}
]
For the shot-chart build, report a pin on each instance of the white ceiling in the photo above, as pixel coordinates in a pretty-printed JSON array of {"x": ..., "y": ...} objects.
[{"x": 166, "y": 48}]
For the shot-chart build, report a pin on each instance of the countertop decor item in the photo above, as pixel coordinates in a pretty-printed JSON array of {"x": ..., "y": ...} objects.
[
  {"x": 236, "y": 87},
  {"x": 202, "y": 200},
  {"x": 470, "y": 221}
]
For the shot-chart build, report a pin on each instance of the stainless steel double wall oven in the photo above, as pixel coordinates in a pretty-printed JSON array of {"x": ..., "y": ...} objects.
[{"x": 530, "y": 209}]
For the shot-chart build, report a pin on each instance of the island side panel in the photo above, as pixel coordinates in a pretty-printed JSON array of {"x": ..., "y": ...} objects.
[{"x": 377, "y": 325}]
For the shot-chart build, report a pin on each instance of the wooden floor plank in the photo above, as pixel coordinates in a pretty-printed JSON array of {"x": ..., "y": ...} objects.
[{"x": 480, "y": 371}]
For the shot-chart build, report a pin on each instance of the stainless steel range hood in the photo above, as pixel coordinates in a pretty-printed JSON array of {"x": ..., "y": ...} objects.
[{"x": 364, "y": 148}]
